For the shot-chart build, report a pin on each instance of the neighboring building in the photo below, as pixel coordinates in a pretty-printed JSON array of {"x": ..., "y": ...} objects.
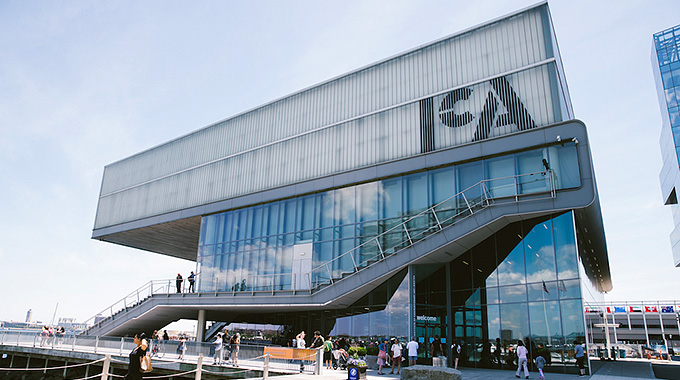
[
  {"x": 666, "y": 67},
  {"x": 29, "y": 315},
  {"x": 634, "y": 328},
  {"x": 444, "y": 191}
]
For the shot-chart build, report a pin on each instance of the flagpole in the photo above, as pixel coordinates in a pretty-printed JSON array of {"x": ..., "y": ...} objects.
[{"x": 545, "y": 312}]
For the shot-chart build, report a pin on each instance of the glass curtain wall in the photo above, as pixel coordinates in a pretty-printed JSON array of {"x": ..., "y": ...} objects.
[
  {"x": 252, "y": 248},
  {"x": 521, "y": 283}
]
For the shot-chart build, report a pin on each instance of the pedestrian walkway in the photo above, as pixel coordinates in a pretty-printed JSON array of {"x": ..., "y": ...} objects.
[
  {"x": 618, "y": 370},
  {"x": 622, "y": 369}
]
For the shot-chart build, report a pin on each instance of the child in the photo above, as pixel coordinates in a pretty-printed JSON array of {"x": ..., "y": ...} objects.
[{"x": 540, "y": 363}]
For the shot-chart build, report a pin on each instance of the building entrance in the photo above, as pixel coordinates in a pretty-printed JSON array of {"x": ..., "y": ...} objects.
[{"x": 427, "y": 329}]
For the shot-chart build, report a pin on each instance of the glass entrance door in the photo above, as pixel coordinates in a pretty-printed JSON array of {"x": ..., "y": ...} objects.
[{"x": 427, "y": 329}]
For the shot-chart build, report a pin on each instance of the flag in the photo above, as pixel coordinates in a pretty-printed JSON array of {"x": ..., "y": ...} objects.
[
  {"x": 619, "y": 309},
  {"x": 635, "y": 309},
  {"x": 563, "y": 287},
  {"x": 651, "y": 309},
  {"x": 545, "y": 288},
  {"x": 609, "y": 310},
  {"x": 666, "y": 309}
]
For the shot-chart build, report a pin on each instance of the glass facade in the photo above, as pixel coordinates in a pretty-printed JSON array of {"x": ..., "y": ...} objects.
[
  {"x": 666, "y": 66},
  {"x": 253, "y": 248},
  {"x": 523, "y": 282},
  {"x": 520, "y": 283}
]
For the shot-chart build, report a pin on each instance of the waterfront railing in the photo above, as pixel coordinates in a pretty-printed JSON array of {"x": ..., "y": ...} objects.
[{"x": 251, "y": 357}]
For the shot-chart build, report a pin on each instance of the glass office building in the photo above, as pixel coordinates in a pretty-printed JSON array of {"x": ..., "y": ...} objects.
[
  {"x": 666, "y": 68},
  {"x": 447, "y": 190}
]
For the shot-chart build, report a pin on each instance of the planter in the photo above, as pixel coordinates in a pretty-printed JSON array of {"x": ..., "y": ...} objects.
[
  {"x": 372, "y": 361},
  {"x": 356, "y": 373}
]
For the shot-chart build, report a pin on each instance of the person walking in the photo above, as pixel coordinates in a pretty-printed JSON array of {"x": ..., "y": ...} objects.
[
  {"x": 396, "y": 356},
  {"x": 235, "y": 347},
  {"x": 166, "y": 337},
  {"x": 580, "y": 355},
  {"x": 318, "y": 340},
  {"x": 436, "y": 349},
  {"x": 226, "y": 348},
  {"x": 192, "y": 280},
  {"x": 540, "y": 364},
  {"x": 412, "y": 348},
  {"x": 497, "y": 353},
  {"x": 217, "y": 356},
  {"x": 522, "y": 359},
  {"x": 182, "y": 348},
  {"x": 300, "y": 343},
  {"x": 135, "y": 357},
  {"x": 328, "y": 352},
  {"x": 178, "y": 282},
  {"x": 382, "y": 356},
  {"x": 455, "y": 354}
]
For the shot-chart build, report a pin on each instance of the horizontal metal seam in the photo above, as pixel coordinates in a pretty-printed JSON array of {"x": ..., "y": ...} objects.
[{"x": 524, "y": 68}]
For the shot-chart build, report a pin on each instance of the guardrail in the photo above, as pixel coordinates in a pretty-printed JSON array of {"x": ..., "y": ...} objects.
[
  {"x": 246, "y": 358},
  {"x": 413, "y": 228}
]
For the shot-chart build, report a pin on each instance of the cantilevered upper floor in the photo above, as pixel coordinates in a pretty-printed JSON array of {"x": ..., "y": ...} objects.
[{"x": 500, "y": 78}]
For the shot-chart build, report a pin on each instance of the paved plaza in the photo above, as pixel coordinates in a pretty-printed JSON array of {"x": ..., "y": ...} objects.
[{"x": 619, "y": 370}]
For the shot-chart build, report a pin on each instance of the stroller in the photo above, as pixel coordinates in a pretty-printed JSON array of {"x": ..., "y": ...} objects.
[{"x": 340, "y": 359}]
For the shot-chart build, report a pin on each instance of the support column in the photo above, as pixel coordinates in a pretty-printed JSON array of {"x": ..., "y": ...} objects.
[
  {"x": 200, "y": 326},
  {"x": 412, "y": 302},
  {"x": 449, "y": 315}
]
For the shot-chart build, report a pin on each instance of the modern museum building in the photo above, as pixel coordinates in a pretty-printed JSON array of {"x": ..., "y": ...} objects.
[{"x": 447, "y": 190}]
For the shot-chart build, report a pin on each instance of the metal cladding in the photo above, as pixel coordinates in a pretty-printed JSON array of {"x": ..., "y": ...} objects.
[{"x": 496, "y": 79}]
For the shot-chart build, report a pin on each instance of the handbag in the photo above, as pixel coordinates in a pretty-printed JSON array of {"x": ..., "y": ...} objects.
[
  {"x": 145, "y": 364},
  {"x": 382, "y": 355}
]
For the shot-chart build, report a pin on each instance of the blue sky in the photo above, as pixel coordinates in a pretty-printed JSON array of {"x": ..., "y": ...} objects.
[{"x": 86, "y": 83}]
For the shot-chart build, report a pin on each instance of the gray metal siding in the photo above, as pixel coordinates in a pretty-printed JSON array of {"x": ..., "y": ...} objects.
[{"x": 362, "y": 118}]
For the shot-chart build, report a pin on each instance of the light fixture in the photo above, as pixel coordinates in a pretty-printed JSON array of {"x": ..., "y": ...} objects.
[{"x": 465, "y": 262}]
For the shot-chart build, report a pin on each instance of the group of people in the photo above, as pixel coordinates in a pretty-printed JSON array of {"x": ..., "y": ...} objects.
[
  {"x": 542, "y": 357},
  {"x": 179, "y": 280},
  {"x": 391, "y": 351},
  {"x": 52, "y": 336},
  {"x": 226, "y": 348}
]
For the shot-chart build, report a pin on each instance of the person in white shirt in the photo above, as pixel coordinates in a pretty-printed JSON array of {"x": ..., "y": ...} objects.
[
  {"x": 412, "y": 348},
  {"x": 396, "y": 355},
  {"x": 300, "y": 339},
  {"x": 522, "y": 359}
]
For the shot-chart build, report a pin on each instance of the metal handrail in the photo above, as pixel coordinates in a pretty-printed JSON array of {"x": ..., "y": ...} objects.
[{"x": 486, "y": 198}]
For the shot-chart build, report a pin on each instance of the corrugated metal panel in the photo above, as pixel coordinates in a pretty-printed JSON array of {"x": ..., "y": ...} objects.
[
  {"x": 481, "y": 54},
  {"x": 316, "y": 132}
]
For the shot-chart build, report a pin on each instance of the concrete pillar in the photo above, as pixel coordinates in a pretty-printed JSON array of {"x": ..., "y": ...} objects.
[{"x": 200, "y": 326}]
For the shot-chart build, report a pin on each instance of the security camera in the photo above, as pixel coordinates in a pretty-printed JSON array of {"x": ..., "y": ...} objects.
[{"x": 574, "y": 140}]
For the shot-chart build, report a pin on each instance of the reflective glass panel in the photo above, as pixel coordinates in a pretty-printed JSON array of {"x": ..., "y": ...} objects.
[
  {"x": 538, "y": 252},
  {"x": 500, "y": 171},
  {"x": 514, "y": 323},
  {"x": 565, "y": 246},
  {"x": 546, "y": 327}
]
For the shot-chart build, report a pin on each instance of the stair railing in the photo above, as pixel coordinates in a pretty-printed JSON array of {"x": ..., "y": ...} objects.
[{"x": 376, "y": 248}]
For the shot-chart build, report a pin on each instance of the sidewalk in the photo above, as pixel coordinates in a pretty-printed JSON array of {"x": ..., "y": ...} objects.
[{"x": 619, "y": 370}]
